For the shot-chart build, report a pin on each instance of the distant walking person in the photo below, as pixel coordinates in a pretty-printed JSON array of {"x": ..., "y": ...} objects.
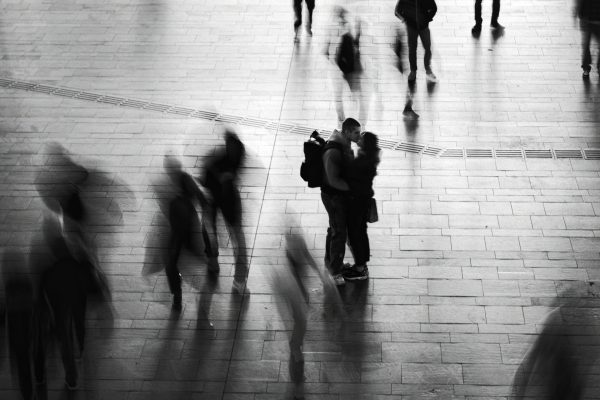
[
  {"x": 344, "y": 44},
  {"x": 476, "y": 30},
  {"x": 359, "y": 175},
  {"x": 310, "y": 5},
  {"x": 220, "y": 178},
  {"x": 417, "y": 14},
  {"x": 588, "y": 12},
  {"x": 334, "y": 193}
]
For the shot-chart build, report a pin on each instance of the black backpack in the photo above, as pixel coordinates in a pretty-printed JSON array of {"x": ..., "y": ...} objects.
[
  {"x": 347, "y": 54},
  {"x": 311, "y": 169}
]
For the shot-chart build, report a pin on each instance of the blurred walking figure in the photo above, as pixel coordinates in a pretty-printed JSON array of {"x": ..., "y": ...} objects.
[
  {"x": 310, "y": 6},
  {"x": 62, "y": 299},
  {"x": 400, "y": 51},
  {"x": 220, "y": 179},
  {"x": 337, "y": 155},
  {"x": 417, "y": 14},
  {"x": 476, "y": 30},
  {"x": 588, "y": 12},
  {"x": 559, "y": 363},
  {"x": 288, "y": 283},
  {"x": 18, "y": 304},
  {"x": 344, "y": 44},
  {"x": 184, "y": 224},
  {"x": 360, "y": 174}
]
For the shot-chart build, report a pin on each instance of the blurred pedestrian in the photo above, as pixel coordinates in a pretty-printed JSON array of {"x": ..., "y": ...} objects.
[
  {"x": 588, "y": 12},
  {"x": 558, "y": 365},
  {"x": 310, "y": 6},
  {"x": 360, "y": 174},
  {"x": 344, "y": 44},
  {"x": 476, "y": 30},
  {"x": 220, "y": 177},
  {"x": 19, "y": 310},
  {"x": 337, "y": 155},
  {"x": 178, "y": 207},
  {"x": 400, "y": 51},
  {"x": 417, "y": 14}
]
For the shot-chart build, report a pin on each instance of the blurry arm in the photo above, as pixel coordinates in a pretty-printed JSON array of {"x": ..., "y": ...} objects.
[{"x": 191, "y": 187}]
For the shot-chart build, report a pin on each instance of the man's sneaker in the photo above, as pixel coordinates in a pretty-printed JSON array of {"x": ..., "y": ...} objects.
[
  {"x": 338, "y": 279},
  {"x": 353, "y": 274},
  {"x": 476, "y": 30},
  {"x": 586, "y": 74},
  {"x": 412, "y": 76},
  {"x": 410, "y": 115},
  {"x": 496, "y": 25},
  {"x": 431, "y": 77}
]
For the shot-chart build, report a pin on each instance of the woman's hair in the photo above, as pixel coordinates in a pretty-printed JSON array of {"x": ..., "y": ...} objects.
[{"x": 370, "y": 143}]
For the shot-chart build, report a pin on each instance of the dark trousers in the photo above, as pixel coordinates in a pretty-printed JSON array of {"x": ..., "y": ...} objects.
[
  {"x": 335, "y": 243},
  {"x": 62, "y": 292},
  {"x": 358, "y": 212},
  {"x": 229, "y": 203},
  {"x": 413, "y": 35},
  {"x": 310, "y": 4},
  {"x": 495, "y": 11},
  {"x": 587, "y": 32},
  {"x": 185, "y": 225}
]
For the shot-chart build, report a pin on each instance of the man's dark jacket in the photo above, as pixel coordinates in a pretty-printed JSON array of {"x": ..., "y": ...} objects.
[{"x": 416, "y": 13}]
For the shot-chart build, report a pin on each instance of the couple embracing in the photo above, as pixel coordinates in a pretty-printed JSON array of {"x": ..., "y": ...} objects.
[{"x": 347, "y": 193}]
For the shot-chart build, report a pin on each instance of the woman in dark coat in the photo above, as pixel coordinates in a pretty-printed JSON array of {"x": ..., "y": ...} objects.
[{"x": 360, "y": 174}]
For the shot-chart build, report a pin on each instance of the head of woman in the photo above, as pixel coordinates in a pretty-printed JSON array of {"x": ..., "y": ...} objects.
[{"x": 369, "y": 144}]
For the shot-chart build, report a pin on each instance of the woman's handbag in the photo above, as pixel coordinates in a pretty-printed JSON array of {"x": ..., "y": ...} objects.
[{"x": 373, "y": 216}]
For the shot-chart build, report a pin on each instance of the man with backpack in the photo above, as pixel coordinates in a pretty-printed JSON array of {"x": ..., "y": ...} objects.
[
  {"x": 417, "y": 14},
  {"x": 337, "y": 153},
  {"x": 344, "y": 41}
]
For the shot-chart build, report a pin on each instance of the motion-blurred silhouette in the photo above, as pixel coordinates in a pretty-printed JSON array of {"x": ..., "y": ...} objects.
[{"x": 220, "y": 177}]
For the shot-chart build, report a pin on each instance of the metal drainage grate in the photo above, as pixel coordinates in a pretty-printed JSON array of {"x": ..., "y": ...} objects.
[
  {"x": 65, "y": 92},
  {"x": 452, "y": 153},
  {"x": 302, "y": 130},
  {"x": 387, "y": 144},
  {"x": 156, "y": 107},
  {"x": 479, "y": 153},
  {"x": 592, "y": 154},
  {"x": 111, "y": 100},
  {"x": 88, "y": 96},
  {"x": 568, "y": 154},
  {"x": 538, "y": 153},
  {"x": 509, "y": 153},
  {"x": 410, "y": 147},
  {"x": 204, "y": 115},
  {"x": 432, "y": 151}
]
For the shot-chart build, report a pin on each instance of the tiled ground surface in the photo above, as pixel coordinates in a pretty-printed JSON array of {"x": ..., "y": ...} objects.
[{"x": 468, "y": 255}]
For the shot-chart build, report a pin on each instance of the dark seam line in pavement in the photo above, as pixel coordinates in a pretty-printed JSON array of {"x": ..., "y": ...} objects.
[
  {"x": 260, "y": 213},
  {"x": 406, "y": 147}
]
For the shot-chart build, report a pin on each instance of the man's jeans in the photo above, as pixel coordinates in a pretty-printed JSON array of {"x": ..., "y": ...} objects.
[
  {"x": 335, "y": 244},
  {"x": 413, "y": 35}
]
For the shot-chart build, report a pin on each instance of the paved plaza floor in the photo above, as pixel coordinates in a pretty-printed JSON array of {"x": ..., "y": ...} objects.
[{"x": 489, "y": 205}]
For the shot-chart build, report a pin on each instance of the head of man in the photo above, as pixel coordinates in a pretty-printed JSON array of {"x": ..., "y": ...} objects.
[{"x": 351, "y": 129}]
